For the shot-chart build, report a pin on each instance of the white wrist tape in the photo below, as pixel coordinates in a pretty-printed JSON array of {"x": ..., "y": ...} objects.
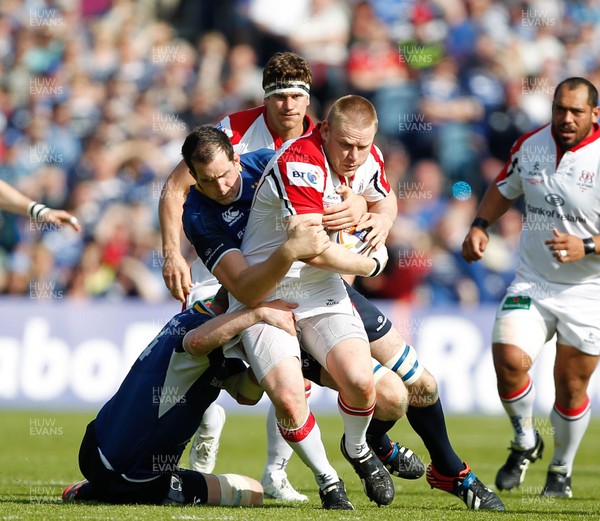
[{"x": 37, "y": 210}]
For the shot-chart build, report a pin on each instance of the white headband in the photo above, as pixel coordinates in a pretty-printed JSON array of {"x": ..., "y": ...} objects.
[{"x": 288, "y": 87}]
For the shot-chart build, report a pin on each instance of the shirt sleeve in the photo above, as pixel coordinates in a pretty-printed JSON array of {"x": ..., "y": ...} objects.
[
  {"x": 509, "y": 181},
  {"x": 378, "y": 186},
  {"x": 210, "y": 240}
]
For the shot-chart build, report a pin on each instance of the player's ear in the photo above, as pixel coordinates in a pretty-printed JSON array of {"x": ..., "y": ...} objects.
[
  {"x": 595, "y": 114},
  {"x": 324, "y": 129},
  {"x": 236, "y": 158}
]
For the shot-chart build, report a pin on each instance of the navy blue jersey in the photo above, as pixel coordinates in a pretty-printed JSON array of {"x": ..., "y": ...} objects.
[
  {"x": 143, "y": 429},
  {"x": 214, "y": 229}
]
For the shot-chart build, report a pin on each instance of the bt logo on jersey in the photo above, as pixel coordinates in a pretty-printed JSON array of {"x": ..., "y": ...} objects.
[
  {"x": 304, "y": 174},
  {"x": 312, "y": 178}
]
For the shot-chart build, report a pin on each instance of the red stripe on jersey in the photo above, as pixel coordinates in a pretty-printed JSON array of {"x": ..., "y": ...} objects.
[
  {"x": 304, "y": 200},
  {"x": 517, "y": 145},
  {"x": 376, "y": 153},
  {"x": 299, "y": 434},
  {"x": 240, "y": 122}
]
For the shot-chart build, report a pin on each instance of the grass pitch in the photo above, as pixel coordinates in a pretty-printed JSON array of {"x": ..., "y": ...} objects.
[{"x": 38, "y": 458}]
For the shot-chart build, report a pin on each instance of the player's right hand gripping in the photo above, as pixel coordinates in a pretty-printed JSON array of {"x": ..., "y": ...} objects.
[
  {"x": 176, "y": 274},
  {"x": 380, "y": 257},
  {"x": 307, "y": 240}
]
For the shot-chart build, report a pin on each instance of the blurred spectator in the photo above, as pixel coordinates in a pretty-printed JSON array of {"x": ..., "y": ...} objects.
[
  {"x": 454, "y": 115},
  {"x": 322, "y": 39},
  {"x": 376, "y": 70},
  {"x": 505, "y": 124},
  {"x": 273, "y": 23},
  {"x": 451, "y": 279},
  {"x": 97, "y": 96}
]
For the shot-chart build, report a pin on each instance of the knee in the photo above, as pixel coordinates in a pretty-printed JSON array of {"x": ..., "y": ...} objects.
[
  {"x": 510, "y": 360},
  {"x": 288, "y": 399},
  {"x": 392, "y": 398},
  {"x": 290, "y": 404},
  {"x": 359, "y": 388},
  {"x": 571, "y": 390},
  {"x": 424, "y": 391},
  {"x": 355, "y": 382}
]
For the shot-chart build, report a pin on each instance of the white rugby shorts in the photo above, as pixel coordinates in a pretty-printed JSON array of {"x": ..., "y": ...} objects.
[
  {"x": 263, "y": 346},
  {"x": 533, "y": 310},
  {"x": 319, "y": 334}
]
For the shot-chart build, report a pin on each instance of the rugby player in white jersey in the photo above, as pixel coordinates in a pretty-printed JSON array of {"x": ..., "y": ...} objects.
[
  {"x": 286, "y": 81},
  {"x": 346, "y": 149},
  {"x": 283, "y": 114},
  {"x": 291, "y": 193},
  {"x": 556, "y": 289}
]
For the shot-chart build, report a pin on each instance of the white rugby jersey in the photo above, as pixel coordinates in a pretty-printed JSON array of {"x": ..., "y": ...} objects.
[
  {"x": 297, "y": 181},
  {"x": 562, "y": 190},
  {"x": 248, "y": 131}
]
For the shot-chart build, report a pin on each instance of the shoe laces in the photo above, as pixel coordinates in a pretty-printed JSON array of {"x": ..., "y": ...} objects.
[{"x": 205, "y": 448}]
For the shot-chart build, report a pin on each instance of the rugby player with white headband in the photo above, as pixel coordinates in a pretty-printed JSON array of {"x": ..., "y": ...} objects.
[
  {"x": 286, "y": 82},
  {"x": 283, "y": 117}
]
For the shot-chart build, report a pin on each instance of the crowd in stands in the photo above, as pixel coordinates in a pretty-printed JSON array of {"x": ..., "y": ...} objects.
[{"x": 96, "y": 97}]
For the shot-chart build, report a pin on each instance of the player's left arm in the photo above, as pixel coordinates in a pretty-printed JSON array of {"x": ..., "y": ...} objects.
[
  {"x": 380, "y": 218},
  {"x": 347, "y": 213},
  {"x": 220, "y": 330},
  {"x": 381, "y": 202},
  {"x": 336, "y": 258}
]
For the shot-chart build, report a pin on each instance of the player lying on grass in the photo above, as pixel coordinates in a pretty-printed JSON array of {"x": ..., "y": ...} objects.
[
  {"x": 178, "y": 375},
  {"x": 130, "y": 453}
]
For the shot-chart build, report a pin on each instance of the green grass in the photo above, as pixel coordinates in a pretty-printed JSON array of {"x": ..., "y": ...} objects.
[{"x": 38, "y": 458}]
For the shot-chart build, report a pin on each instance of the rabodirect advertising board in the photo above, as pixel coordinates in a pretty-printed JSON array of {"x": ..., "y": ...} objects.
[{"x": 73, "y": 354}]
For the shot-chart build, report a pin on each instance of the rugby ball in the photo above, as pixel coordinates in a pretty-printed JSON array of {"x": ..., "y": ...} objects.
[{"x": 353, "y": 240}]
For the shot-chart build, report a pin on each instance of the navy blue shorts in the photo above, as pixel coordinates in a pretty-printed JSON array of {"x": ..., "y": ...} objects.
[
  {"x": 108, "y": 486},
  {"x": 376, "y": 323}
]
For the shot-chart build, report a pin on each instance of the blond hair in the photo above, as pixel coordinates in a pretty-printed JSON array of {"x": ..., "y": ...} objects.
[{"x": 353, "y": 109}]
